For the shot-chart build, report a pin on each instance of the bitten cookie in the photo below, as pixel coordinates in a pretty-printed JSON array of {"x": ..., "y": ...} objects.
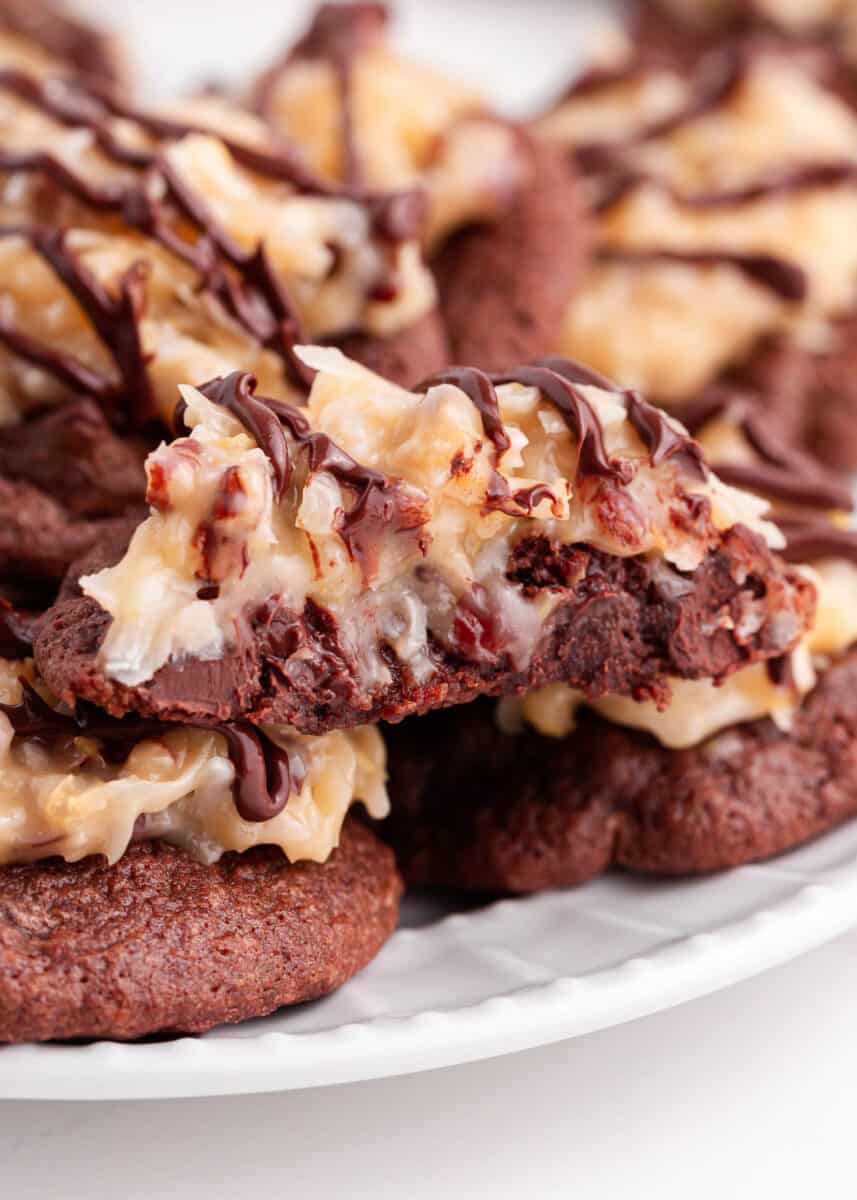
[
  {"x": 161, "y": 942},
  {"x": 549, "y": 789},
  {"x": 280, "y": 579}
]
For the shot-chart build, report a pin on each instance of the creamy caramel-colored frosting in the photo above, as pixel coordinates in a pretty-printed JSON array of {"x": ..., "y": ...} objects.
[
  {"x": 323, "y": 249},
  {"x": 410, "y": 124},
  {"x": 645, "y": 294},
  {"x": 67, "y": 799}
]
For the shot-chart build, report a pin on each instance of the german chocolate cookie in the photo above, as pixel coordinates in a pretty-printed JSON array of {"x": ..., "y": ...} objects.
[
  {"x": 720, "y": 776},
  {"x": 506, "y": 230},
  {"x": 140, "y": 249},
  {"x": 524, "y": 812},
  {"x": 65, "y": 478},
  {"x": 722, "y": 191},
  {"x": 279, "y": 579},
  {"x": 160, "y": 942}
]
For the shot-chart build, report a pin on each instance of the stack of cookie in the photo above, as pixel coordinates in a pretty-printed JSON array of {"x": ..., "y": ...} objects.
[{"x": 258, "y": 534}]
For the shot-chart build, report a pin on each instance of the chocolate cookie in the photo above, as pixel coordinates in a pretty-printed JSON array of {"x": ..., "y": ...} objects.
[
  {"x": 71, "y": 453},
  {"x": 522, "y": 813},
  {"x": 505, "y": 284},
  {"x": 38, "y": 538},
  {"x": 811, "y": 396},
  {"x": 161, "y": 942},
  {"x": 614, "y": 632},
  {"x": 559, "y": 605},
  {"x": 507, "y": 225},
  {"x": 405, "y": 357}
]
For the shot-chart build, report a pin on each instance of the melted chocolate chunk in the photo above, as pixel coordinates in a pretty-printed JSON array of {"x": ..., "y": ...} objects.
[{"x": 263, "y": 779}]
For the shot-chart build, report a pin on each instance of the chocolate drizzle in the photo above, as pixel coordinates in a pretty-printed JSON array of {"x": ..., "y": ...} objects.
[
  {"x": 380, "y": 502},
  {"x": 244, "y": 283},
  {"x": 60, "y": 35},
  {"x": 337, "y": 34},
  {"x": 115, "y": 321},
  {"x": 810, "y": 538},
  {"x": 558, "y": 387},
  {"x": 778, "y": 275},
  {"x": 717, "y": 75},
  {"x": 263, "y": 776},
  {"x": 662, "y": 440},
  {"x": 559, "y": 380},
  {"x": 775, "y": 183},
  {"x": 479, "y": 390},
  {"x": 262, "y": 770},
  {"x": 782, "y": 471}
]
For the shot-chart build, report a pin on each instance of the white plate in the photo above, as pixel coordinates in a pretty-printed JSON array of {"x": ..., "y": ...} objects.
[
  {"x": 454, "y": 987},
  {"x": 515, "y": 974}
]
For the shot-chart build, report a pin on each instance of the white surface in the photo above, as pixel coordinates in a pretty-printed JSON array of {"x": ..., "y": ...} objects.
[{"x": 750, "y": 1093}]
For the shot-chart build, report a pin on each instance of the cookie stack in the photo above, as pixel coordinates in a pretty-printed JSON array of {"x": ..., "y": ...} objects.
[{"x": 265, "y": 552}]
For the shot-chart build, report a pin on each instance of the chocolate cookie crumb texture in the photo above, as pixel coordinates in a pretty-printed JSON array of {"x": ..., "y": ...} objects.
[
  {"x": 382, "y": 552},
  {"x": 506, "y": 228},
  {"x": 723, "y": 195},
  {"x": 160, "y": 942}
]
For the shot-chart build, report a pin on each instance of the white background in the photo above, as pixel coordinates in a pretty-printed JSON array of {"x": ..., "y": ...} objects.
[{"x": 748, "y": 1092}]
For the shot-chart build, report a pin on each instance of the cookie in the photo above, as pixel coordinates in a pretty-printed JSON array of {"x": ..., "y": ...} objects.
[
  {"x": 151, "y": 286},
  {"x": 71, "y": 454},
  {"x": 505, "y": 285},
  {"x": 405, "y": 357},
  {"x": 38, "y": 538},
  {"x": 391, "y": 632},
  {"x": 718, "y": 189},
  {"x": 521, "y": 813},
  {"x": 158, "y": 942}
]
